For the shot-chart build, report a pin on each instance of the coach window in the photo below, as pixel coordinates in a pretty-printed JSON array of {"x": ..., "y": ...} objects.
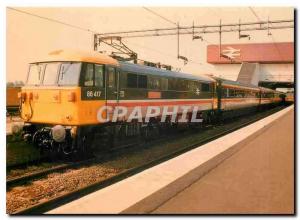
[
  {"x": 239, "y": 93},
  {"x": 99, "y": 76},
  {"x": 243, "y": 93},
  {"x": 251, "y": 94},
  {"x": 142, "y": 81},
  {"x": 154, "y": 83},
  {"x": 182, "y": 85},
  {"x": 225, "y": 92},
  {"x": 205, "y": 87},
  {"x": 247, "y": 94},
  {"x": 131, "y": 80},
  {"x": 192, "y": 86},
  {"x": 172, "y": 84},
  {"x": 164, "y": 83},
  {"x": 231, "y": 93}
]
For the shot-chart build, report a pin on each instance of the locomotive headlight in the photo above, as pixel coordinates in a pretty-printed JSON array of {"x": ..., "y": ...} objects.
[
  {"x": 58, "y": 133},
  {"x": 73, "y": 131}
]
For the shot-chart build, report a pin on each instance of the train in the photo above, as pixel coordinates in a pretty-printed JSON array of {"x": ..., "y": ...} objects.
[
  {"x": 64, "y": 92},
  {"x": 12, "y": 100},
  {"x": 289, "y": 97}
]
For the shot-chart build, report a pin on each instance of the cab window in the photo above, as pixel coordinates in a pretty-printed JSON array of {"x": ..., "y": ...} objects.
[
  {"x": 69, "y": 74},
  {"x": 50, "y": 75},
  {"x": 35, "y": 74},
  {"x": 89, "y": 75}
]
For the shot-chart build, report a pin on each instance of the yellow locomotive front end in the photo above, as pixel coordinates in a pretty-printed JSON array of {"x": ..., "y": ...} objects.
[
  {"x": 58, "y": 105},
  {"x": 50, "y": 105},
  {"x": 63, "y": 94}
]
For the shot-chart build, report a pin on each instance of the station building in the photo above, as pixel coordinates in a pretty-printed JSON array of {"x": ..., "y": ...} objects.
[{"x": 264, "y": 64}]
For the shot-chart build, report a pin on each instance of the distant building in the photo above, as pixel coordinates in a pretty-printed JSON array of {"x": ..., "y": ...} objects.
[{"x": 270, "y": 64}]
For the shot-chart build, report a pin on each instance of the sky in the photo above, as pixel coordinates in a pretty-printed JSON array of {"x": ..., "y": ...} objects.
[{"x": 29, "y": 37}]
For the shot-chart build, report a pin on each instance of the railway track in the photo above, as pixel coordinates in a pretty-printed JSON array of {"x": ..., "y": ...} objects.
[
  {"x": 59, "y": 168},
  {"x": 66, "y": 197}
]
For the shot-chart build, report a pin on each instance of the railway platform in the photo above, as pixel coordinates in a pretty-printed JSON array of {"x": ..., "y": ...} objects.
[
  {"x": 257, "y": 179},
  {"x": 250, "y": 171}
]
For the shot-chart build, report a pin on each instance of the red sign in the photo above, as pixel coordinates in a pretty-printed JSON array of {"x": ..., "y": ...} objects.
[
  {"x": 154, "y": 95},
  {"x": 256, "y": 52}
]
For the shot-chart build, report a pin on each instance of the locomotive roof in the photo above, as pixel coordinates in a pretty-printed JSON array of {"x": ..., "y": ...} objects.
[
  {"x": 130, "y": 67},
  {"x": 79, "y": 56}
]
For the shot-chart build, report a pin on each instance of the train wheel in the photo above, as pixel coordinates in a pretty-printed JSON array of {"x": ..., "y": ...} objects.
[
  {"x": 65, "y": 150},
  {"x": 42, "y": 140},
  {"x": 85, "y": 146},
  {"x": 151, "y": 131},
  {"x": 103, "y": 139}
]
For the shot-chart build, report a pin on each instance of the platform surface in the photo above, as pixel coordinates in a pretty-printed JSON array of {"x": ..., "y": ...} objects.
[{"x": 257, "y": 179}]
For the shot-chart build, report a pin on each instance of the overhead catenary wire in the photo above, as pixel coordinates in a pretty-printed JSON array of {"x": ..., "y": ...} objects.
[
  {"x": 204, "y": 29},
  {"x": 160, "y": 29},
  {"x": 162, "y": 17},
  {"x": 161, "y": 52},
  {"x": 273, "y": 39},
  {"x": 177, "y": 25},
  {"x": 185, "y": 28},
  {"x": 209, "y": 66},
  {"x": 53, "y": 20},
  {"x": 255, "y": 14},
  {"x": 78, "y": 27},
  {"x": 168, "y": 20}
]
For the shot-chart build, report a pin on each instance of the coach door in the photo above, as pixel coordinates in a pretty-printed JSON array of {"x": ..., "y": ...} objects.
[{"x": 112, "y": 86}]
